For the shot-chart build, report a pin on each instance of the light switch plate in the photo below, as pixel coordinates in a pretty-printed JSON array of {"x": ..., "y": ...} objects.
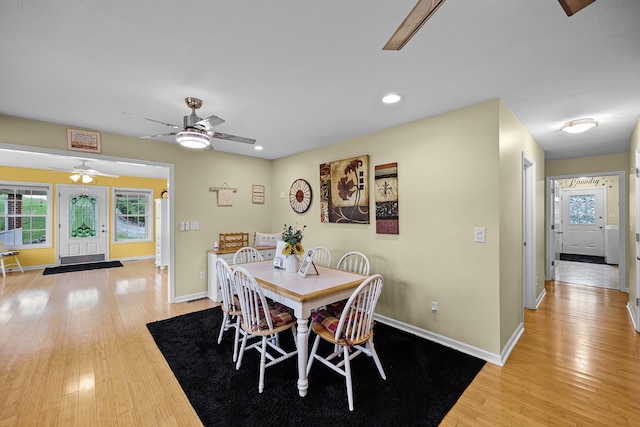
[{"x": 479, "y": 235}]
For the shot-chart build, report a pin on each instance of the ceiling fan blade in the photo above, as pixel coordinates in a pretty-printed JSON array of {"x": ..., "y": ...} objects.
[
  {"x": 155, "y": 121},
  {"x": 574, "y": 6},
  {"x": 107, "y": 175},
  {"x": 209, "y": 122},
  {"x": 159, "y": 135},
  {"x": 421, "y": 12},
  {"x": 228, "y": 137}
]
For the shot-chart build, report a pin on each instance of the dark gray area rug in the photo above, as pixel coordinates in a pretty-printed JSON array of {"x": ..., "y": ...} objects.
[
  {"x": 590, "y": 259},
  {"x": 424, "y": 379},
  {"x": 81, "y": 267}
]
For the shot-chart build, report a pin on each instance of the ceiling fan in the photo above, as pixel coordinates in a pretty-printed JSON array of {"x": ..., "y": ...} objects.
[
  {"x": 196, "y": 132},
  {"x": 424, "y": 9},
  {"x": 84, "y": 173}
]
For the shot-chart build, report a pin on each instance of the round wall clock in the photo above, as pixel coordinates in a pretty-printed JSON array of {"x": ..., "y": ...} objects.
[{"x": 300, "y": 195}]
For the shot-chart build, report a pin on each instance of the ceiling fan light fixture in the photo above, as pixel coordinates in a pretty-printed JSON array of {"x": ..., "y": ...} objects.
[
  {"x": 193, "y": 139},
  {"x": 75, "y": 177},
  {"x": 86, "y": 179},
  {"x": 579, "y": 125}
]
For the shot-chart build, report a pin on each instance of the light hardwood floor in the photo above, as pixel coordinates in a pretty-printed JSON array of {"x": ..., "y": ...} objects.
[{"x": 75, "y": 351}]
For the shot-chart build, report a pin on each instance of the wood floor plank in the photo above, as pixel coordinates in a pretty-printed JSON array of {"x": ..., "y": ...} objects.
[{"x": 75, "y": 351}]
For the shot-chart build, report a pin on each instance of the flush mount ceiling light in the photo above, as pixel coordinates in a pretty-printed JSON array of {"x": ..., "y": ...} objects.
[
  {"x": 193, "y": 139},
  {"x": 392, "y": 98},
  {"x": 579, "y": 125}
]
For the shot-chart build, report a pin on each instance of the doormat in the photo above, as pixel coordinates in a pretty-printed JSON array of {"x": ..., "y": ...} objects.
[
  {"x": 583, "y": 258},
  {"x": 81, "y": 267}
]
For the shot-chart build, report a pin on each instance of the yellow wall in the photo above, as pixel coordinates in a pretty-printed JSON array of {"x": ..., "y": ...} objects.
[{"x": 47, "y": 256}]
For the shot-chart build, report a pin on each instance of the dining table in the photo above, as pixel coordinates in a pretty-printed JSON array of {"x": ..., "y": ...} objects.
[{"x": 303, "y": 295}]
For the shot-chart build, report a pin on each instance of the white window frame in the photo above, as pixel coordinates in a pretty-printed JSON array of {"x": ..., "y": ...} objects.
[
  {"x": 149, "y": 214},
  {"x": 48, "y": 188}
]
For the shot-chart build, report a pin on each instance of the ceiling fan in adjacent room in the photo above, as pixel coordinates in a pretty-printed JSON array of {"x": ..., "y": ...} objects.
[
  {"x": 85, "y": 174},
  {"x": 424, "y": 9},
  {"x": 196, "y": 132}
]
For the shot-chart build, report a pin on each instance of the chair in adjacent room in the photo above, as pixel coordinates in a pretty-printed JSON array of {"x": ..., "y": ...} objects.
[
  {"x": 322, "y": 256},
  {"x": 263, "y": 320},
  {"x": 355, "y": 262},
  {"x": 231, "y": 313},
  {"x": 247, "y": 254},
  {"x": 348, "y": 330},
  {"x": 6, "y": 253}
]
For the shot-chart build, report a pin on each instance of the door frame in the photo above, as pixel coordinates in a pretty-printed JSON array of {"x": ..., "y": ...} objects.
[
  {"x": 622, "y": 215},
  {"x": 528, "y": 233}
]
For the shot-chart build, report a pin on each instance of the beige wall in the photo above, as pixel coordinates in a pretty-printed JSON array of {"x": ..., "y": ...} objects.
[
  {"x": 451, "y": 171},
  {"x": 457, "y": 171}
]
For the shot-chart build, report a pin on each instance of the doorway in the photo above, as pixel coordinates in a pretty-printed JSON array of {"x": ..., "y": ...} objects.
[
  {"x": 614, "y": 185},
  {"x": 83, "y": 214},
  {"x": 583, "y": 221}
]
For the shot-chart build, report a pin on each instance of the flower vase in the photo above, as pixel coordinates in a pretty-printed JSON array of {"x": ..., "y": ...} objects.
[{"x": 291, "y": 263}]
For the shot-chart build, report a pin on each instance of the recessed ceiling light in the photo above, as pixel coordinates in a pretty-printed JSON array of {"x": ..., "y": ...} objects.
[
  {"x": 579, "y": 125},
  {"x": 392, "y": 98},
  {"x": 258, "y": 147}
]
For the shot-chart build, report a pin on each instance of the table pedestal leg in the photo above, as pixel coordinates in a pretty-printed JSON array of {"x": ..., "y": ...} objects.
[{"x": 303, "y": 345}]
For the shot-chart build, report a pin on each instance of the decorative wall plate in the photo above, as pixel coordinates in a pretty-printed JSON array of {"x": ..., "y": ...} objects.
[{"x": 300, "y": 195}]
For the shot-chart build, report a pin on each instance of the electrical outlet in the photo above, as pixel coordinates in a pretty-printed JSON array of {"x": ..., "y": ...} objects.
[
  {"x": 434, "y": 307},
  {"x": 186, "y": 226},
  {"x": 182, "y": 226},
  {"x": 202, "y": 274}
]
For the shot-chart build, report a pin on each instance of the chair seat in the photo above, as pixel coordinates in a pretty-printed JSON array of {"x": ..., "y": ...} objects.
[{"x": 10, "y": 253}]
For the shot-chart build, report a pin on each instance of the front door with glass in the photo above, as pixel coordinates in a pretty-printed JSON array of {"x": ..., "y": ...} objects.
[{"x": 82, "y": 231}]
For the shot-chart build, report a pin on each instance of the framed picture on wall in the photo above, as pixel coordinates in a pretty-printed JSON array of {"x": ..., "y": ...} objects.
[
  {"x": 83, "y": 140},
  {"x": 257, "y": 194}
]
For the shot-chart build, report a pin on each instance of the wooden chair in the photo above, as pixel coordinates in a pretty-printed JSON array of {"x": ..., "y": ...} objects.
[
  {"x": 247, "y": 254},
  {"x": 355, "y": 262},
  {"x": 322, "y": 256},
  {"x": 231, "y": 312},
  {"x": 6, "y": 253},
  {"x": 263, "y": 320},
  {"x": 351, "y": 328}
]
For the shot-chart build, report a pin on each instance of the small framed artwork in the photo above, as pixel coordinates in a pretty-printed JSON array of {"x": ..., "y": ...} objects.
[
  {"x": 83, "y": 140},
  {"x": 257, "y": 193},
  {"x": 307, "y": 262}
]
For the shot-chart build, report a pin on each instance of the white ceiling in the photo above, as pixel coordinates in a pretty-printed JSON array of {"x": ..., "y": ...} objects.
[{"x": 296, "y": 75}]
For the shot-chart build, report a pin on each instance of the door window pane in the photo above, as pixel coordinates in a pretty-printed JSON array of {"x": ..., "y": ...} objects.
[
  {"x": 582, "y": 209},
  {"x": 83, "y": 216}
]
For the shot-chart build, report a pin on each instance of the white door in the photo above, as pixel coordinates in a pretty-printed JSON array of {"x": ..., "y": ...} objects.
[
  {"x": 557, "y": 232},
  {"x": 583, "y": 221},
  {"x": 82, "y": 229}
]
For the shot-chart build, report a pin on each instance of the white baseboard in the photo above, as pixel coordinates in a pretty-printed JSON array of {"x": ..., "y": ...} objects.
[
  {"x": 192, "y": 297},
  {"x": 541, "y": 297},
  {"x": 632, "y": 315},
  {"x": 496, "y": 359}
]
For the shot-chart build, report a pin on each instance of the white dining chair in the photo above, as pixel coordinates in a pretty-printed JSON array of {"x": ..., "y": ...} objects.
[
  {"x": 348, "y": 329},
  {"x": 231, "y": 313},
  {"x": 263, "y": 320},
  {"x": 355, "y": 262},
  {"x": 6, "y": 253},
  {"x": 247, "y": 254},
  {"x": 322, "y": 256}
]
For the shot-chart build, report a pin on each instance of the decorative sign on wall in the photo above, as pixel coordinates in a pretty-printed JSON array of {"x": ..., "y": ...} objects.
[
  {"x": 225, "y": 194},
  {"x": 83, "y": 140},
  {"x": 386, "y": 197},
  {"x": 257, "y": 193},
  {"x": 344, "y": 191}
]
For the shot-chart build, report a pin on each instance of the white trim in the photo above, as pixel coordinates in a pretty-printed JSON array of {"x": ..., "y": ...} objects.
[
  {"x": 528, "y": 233},
  {"x": 496, "y": 359},
  {"x": 541, "y": 297},
  {"x": 192, "y": 297},
  {"x": 632, "y": 314}
]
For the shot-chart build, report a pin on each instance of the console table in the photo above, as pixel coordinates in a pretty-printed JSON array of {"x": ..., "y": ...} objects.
[{"x": 213, "y": 290}]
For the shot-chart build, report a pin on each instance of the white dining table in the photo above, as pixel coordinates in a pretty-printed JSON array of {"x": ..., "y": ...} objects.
[{"x": 303, "y": 295}]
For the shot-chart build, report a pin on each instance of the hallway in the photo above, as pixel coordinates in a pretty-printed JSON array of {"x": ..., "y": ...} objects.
[{"x": 582, "y": 273}]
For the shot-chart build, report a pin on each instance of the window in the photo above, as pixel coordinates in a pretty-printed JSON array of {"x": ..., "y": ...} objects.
[
  {"x": 25, "y": 218},
  {"x": 582, "y": 209},
  {"x": 133, "y": 209}
]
